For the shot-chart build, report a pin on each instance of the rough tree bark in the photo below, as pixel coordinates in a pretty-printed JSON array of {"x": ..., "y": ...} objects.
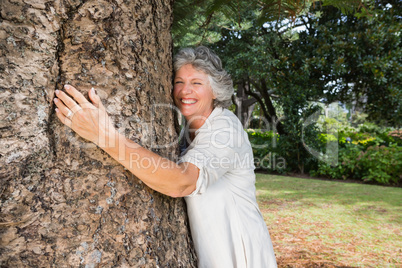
[{"x": 63, "y": 201}]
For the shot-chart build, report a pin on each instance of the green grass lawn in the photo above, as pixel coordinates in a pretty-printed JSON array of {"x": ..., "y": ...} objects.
[{"x": 316, "y": 223}]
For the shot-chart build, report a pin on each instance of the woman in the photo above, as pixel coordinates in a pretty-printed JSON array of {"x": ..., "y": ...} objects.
[{"x": 215, "y": 172}]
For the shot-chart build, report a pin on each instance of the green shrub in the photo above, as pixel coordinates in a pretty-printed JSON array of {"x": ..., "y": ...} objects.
[
  {"x": 346, "y": 169},
  {"x": 374, "y": 156},
  {"x": 282, "y": 153},
  {"x": 383, "y": 164},
  {"x": 392, "y": 136},
  {"x": 378, "y": 164},
  {"x": 266, "y": 151}
]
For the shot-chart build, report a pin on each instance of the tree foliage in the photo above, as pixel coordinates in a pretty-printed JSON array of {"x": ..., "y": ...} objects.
[
  {"x": 196, "y": 21},
  {"x": 349, "y": 56},
  {"x": 359, "y": 59}
]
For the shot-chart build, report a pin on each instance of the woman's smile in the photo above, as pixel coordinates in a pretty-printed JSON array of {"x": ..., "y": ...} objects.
[
  {"x": 188, "y": 101},
  {"x": 193, "y": 95}
]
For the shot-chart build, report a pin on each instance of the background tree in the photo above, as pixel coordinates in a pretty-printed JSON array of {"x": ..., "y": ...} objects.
[
  {"x": 335, "y": 54},
  {"x": 244, "y": 105},
  {"x": 358, "y": 58},
  {"x": 64, "y": 202}
]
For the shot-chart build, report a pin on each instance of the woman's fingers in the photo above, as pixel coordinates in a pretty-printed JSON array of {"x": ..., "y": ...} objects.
[
  {"x": 87, "y": 119},
  {"x": 64, "y": 110},
  {"x": 68, "y": 106},
  {"x": 95, "y": 99},
  {"x": 78, "y": 97},
  {"x": 67, "y": 102},
  {"x": 66, "y": 121}
]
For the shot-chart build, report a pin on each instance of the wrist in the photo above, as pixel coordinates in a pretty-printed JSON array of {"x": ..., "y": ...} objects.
[
  {"x": 117, "y": 146},
  {"x": 109, "y": 139}
]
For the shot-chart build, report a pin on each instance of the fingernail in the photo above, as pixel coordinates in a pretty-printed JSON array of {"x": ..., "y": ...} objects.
[
  {"x": 66, "y": 86},
  {"x": 57, "y": 92},
  {"x": 57, "y": 110},
  {"x": 55, "y": 100}
]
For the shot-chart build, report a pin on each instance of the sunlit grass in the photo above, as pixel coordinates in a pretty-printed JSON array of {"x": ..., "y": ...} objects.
[{"x": 315, "y": 223}]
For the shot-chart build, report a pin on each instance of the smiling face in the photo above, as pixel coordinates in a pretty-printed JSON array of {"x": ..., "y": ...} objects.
[{"x": 193, "y": 94}]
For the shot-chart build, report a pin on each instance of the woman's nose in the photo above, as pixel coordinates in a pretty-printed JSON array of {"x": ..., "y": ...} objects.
[{"x": 187, "y": 88}]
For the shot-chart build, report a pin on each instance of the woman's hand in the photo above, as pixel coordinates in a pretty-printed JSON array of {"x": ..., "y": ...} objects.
[{"x": 89, "y": 120}]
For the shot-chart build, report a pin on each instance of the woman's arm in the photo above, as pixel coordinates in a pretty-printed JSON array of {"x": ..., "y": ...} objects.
[{"x": 90, "y": 121}]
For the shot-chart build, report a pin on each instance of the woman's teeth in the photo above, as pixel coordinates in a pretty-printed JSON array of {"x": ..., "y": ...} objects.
[{"x": 188, "y": 101}]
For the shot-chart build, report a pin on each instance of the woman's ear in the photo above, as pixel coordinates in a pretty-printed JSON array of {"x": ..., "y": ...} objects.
[{"x": 213, "y": 93}]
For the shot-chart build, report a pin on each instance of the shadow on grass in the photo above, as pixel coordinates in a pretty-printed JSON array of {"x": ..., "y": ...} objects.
[{"x": 292, "y": 188}]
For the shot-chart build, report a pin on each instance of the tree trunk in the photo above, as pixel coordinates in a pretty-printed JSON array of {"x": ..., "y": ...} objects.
[
  {"x": 244, "y": 104},
  {"x": 64, "y": 202}
]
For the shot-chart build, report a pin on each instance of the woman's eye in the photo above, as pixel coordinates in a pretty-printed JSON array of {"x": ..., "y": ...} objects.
[
  {"x": 197, "y": 83},
  {"x": 178, "y": 82}
]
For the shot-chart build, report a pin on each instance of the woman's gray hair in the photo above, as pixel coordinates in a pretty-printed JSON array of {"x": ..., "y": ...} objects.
[{"x": 205, "y": 60}]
